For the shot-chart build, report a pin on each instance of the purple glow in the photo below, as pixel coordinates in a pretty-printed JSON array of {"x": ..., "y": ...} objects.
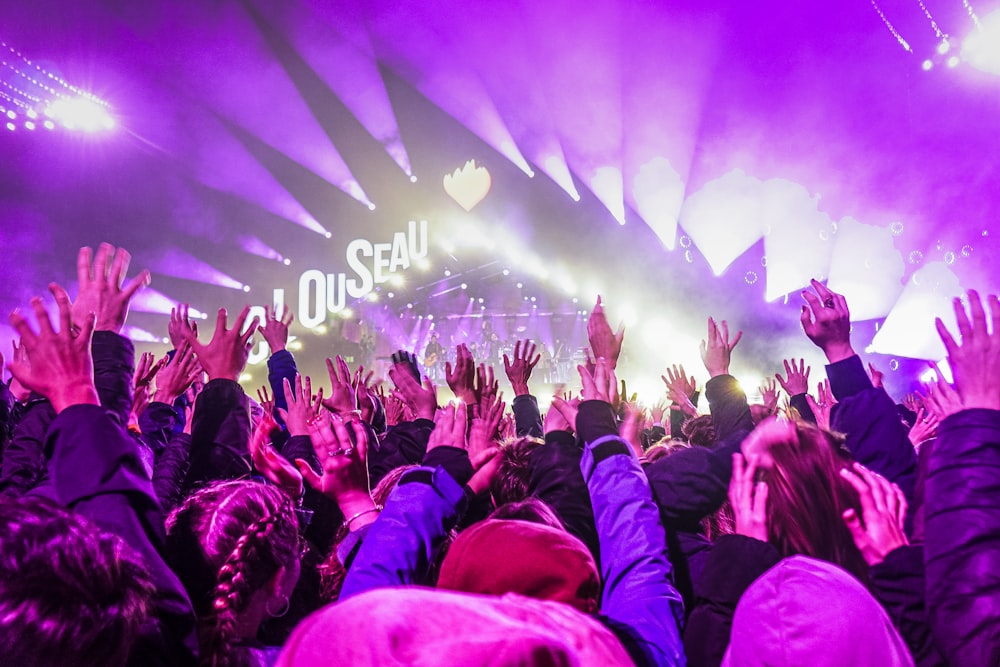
[
  {"x": 347, "y": 67},
  {"x": 177, "y": 263},
  {"x": 151, "y": 301},
  {"x": 254, "y": 246}
]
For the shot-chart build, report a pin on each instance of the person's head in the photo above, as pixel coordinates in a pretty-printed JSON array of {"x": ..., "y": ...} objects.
[
  {"x": 806, "y": 611},
  {"x": 665, "y": 447},
  {"x": 699, "y": 431},
  {"x": 71, "y": 593},
  {"x": 235, "y": 547},
  {"x": 759, "y": 412},
  {"x": 530, "y": 509},
  {"x": 806, "y": 494},
  {"x": 500, "y": 556},
  {"x": 511, "y": 481}
]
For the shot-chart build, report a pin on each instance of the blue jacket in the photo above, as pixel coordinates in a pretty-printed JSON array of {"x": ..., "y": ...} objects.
[
  {"x": 639, "y": 603},
  {"x": 962, "y": 552}
]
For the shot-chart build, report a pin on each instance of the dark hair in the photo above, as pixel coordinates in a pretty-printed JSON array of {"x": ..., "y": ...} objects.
[
  {"x": 665, "y": 447},
  {"x": 699, "y": 431},
  {"x": 227, "y": 541},
  {"x": 511, "y": 481},
  {"x": 806, "y": 500},
  {"x": 72, "y": 594},
  {"x": 530, "y": 509}
]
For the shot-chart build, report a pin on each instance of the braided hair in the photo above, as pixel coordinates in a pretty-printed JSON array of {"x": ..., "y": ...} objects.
[{"x": 227, "y": 541}]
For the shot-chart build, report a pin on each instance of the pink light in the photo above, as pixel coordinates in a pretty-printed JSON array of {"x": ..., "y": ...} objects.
[{"x": 151, "y": 301}]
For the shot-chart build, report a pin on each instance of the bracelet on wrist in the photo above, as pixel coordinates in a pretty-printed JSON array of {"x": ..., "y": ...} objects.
[{"x": 348, "y": 522}]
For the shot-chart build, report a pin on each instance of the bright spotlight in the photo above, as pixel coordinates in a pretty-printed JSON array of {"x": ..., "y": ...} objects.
[
  {"x": 413, "y": 178},
  {"x": 981, "y": 48},
  {"x": 286, "y": 261},
  {"x": 927, "y": 65},
  {"x": 953, "y": 61},
  {"x": 246, "y": 288},
  {"x": 371, "y": 206},
  {"x": 328, "y": 235},
  {"x": 79, "y": 113},
  {"x": 465, "y": 286},
  {"x": 506, "y": 272}
]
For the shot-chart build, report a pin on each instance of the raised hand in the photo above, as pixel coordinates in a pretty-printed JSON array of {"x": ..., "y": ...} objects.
[
  {"x": 300, "y": 407},
  {"x": 61, "y": 367},
  {"x": 225, "y": 356},
  {"x": 561, "y": 415},
  {"x": 407, "y": 360},
  {"x": 20, "y": 356},
  {"x": 876, "y": 375},
  {"x": 179, "y": 323},
  {"x": 602, "y": 385},
  {"x": 145, "y": 370},
  {"x": 421, "y": 399},
  {"x": 975, "y": 362},
  {"x": 604, "y": 342},
  {"x": 822, "y": 407},
  {"x": 519, "y": 370},
  {"x": 101, "y": 287},
  {"x": 270, "y": 463},
  {"x": 449, "y": 427},
  {"x": 265, "y": 400},
  {"x": 827, "y": 322},
  {"x": 657, "y": 412},
  {"x": 717, "y": 351},
  {"x": 487, "y": 389},
  {"x": 462, "y": 377},
  {"x": 485, "y": 430},
  {"x": 395, "y": 410},
  {"x": 345, "y": 467},
  {"x": 769, "y": 395},
  {"x": 274, "y": 329},
  {"x": 913, "y": 402},
  {"x": 924, "y": 428},
  {"x": 176, "y": 375},
  {"x": 883, "y": 507},
  {"x": 631, "y": 426},
  {"x": 343, "y": 395},
  {"x": 679, "y": 385},
  {"x": 797, "y": 380},
  {"x": 748, "y": 498},
  {"x": 941, "y": 399}
]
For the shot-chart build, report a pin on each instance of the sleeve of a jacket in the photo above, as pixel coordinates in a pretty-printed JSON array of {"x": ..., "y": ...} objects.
[
  {"x": 280, "y": 367},
  {"x": 692, "y": 483},
  {"x": 220, "y": 434},
  {"x": 729, "y": 407},
  {"x": 733, "y": 563},
  {"x": 555, "y": 479},
  {"x": 638, "y": 598},
  {"x": 962, "y": 549},
  {"x": 898, "y": 583},
  {"x": 111, "y": 491},
  {"x": 404, "y": 444},
  {"x": 400, "y": 545},
  {"x": 170, "y": 469},
  {"x": 527, "y": 418},
  {"x": 23, "y": 465},
  {"x": 875, "y": 435},
  {"x": 114, "y": 365}
]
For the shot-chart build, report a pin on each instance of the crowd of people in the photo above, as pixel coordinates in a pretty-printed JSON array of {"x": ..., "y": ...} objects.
[{"x": 153, "y": 513}]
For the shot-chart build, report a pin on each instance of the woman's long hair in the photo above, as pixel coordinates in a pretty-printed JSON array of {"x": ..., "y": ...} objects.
[
  {"x": 226, "y": 542},
  {"x": 807, "y": 497}
]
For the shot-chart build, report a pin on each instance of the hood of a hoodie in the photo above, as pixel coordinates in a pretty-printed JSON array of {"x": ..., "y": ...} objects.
[{"x": 805, "y": 611}]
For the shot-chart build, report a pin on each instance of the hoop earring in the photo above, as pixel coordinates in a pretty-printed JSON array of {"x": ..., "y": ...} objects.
[{"x": 282, "y": 610}]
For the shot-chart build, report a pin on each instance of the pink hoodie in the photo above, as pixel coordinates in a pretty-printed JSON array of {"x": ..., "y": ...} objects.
[
  {"x": 805, "y": 611},
  {"x": 423, "y": 627}
]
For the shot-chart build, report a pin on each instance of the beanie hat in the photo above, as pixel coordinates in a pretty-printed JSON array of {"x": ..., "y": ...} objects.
[{"x": 499, "y": 556}]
